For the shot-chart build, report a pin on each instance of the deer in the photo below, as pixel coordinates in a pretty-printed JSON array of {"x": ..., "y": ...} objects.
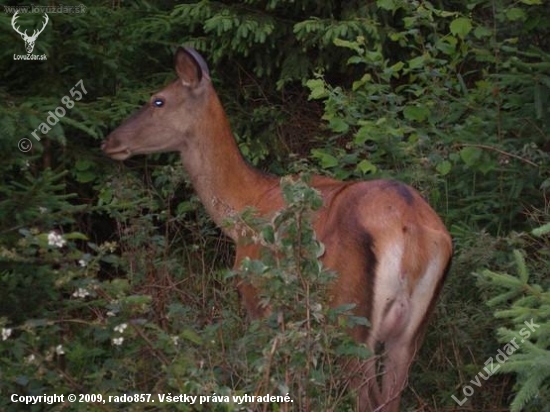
[
  {"x": 29, "y": 40},
  {"x": 390, "y": 250}
]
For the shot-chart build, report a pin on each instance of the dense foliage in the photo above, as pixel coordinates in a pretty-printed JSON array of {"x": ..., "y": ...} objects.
[{"x": 114, "y": 281}]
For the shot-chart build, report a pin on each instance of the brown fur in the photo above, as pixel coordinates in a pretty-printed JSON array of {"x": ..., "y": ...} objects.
[{"x": 387, "y": 245}]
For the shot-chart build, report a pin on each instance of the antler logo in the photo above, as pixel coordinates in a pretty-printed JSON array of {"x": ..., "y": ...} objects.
[{"x": 29, "y": 40}]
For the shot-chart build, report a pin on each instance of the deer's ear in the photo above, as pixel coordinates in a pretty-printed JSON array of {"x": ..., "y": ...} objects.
[{"x": 190, "y": 66}]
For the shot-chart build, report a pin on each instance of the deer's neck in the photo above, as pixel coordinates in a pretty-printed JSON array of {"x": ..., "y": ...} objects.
[{"x": 224, "y": 181}]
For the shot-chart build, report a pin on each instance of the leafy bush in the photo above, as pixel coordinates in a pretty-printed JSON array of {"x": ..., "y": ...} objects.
[
  {"x": 139, "y": 347},
  {"x": 434, "y": 104}
]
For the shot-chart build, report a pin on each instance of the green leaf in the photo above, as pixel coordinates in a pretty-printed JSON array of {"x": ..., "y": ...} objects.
[
  {"x": 85, "y": 176},
  {"x": 486, "y": 166},
  {"x": 443, "y": 168},
  {"x": 447, "y": 45},
  {"x": 461, "y": 27},
  {"x": 353, "y": 45},
  {"x": 359, "y": 320},
  {"x": 416, "y": 113},
  {"x": 254, "y": 266},
  {"x": 75, "y": 235},
  {"x": 268, "y": 234},
  {"x": 191, "y": 336},
  {"x": 339, "y": 125},
  {"x": 318, "y": 89},
  {"x": 84, "y": 171},
  {"x": 366, "y": 167},
  {"x": 541, "y": 231},
  {"x": 355, "y": 350},
  {"x": 470, "y": 155},
  {"x": 389, "y": 5},
  {"x": 326, "y": 160},
  {"x": 482, "y": 31},
  {"x": 359, "y": 83},
  {"x": 417, "y": 62},
  {"x": 363, "y": 134},
  {"x": 515, "y": 13},
  {"x": 396, "y": 68},
  {"x": 346, "y": 307},
  {"x": 83, "y": 164}
]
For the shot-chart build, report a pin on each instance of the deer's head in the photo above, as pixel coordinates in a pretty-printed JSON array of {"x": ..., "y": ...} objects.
[
  {"x": 172, "y": 117},
  {"x": 29, "y": 40}
]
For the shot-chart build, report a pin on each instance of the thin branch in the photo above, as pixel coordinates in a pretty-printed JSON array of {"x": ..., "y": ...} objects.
[{"x": 495, "y": 149}]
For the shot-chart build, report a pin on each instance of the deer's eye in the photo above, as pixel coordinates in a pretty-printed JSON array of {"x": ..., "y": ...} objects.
[{"x": 158, "y": 102}]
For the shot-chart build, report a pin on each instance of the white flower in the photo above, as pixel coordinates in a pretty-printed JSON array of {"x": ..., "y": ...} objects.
[
  {"x": 110, "y": 313},
  {"x": 110, "y": 246},
  {"x": 42, "y": 209},
  {"x": 6, "y": 332},
  {"x": 175, "y": 340},
  {"x": 55, "y": 239},
  {"x": 30, "y": 358},
  {"x": 120, "y": 328},
  {"x": 82, "y": 263},
  {"x": 80, "y": 293},
  {"x": 59, "y": 350},
  {"x": 118, "y": 341}
]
